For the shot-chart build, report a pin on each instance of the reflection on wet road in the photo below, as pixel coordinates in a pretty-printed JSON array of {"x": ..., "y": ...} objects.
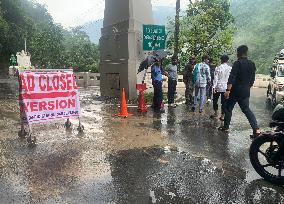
[{"x": 175, "y": 157}]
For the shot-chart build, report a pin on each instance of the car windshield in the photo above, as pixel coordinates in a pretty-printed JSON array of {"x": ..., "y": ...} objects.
[{"x": 280, "y": 72}]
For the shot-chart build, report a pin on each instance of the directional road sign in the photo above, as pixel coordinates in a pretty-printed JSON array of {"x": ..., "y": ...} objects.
[{"x": 154, "y": 37}]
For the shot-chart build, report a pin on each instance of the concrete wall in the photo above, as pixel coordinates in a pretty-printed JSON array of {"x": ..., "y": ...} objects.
[
  {"x": 85, "y": 79},
  {"x": 261, "y": 81}
]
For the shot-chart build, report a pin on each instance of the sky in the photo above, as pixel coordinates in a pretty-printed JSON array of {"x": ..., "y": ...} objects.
[{"x": 72, "y": 13}]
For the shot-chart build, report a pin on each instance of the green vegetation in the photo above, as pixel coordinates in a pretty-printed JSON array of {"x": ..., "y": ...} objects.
[
  {"x": 49, "y": 44},
  {"x": 260, "y": 26},
  {"x": 148, "y": 97},
  {"x": 207, "y": 28}
]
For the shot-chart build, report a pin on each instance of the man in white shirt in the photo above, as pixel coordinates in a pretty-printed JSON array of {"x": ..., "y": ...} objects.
[{"x": 221, "y": 76}]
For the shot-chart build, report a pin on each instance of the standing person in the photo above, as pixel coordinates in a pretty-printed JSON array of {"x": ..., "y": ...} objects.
[
  {"x": 241, "y": 80},
  {"x": 171, "y": 73},
  {"x": 209, "y": 88},
  {"x": 187, "y": 79},
  {"x": 157, "y": 81},
  {"x": 201, "y": 77},
  {"x": 221, "y": 76}
]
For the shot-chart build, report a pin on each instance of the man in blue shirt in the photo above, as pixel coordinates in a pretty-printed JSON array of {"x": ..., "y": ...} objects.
[{"x": 157, "y": 80}]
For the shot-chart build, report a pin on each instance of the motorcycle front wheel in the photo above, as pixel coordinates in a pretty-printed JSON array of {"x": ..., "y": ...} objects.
[{"x": 265, "y": 158}]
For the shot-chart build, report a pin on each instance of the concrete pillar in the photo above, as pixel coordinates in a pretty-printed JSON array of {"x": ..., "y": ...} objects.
[
  {"x": 121, "y": 47},
  {"x": 86, "y": 79}
]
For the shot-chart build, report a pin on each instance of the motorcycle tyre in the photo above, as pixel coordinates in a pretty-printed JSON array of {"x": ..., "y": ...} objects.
[{"x": 253, "y": 154}]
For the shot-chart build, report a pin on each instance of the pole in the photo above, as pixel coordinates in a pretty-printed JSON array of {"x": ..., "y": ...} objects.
[
  {"x": 25, "y": 45},
  {"x": 177, "y": 29}
]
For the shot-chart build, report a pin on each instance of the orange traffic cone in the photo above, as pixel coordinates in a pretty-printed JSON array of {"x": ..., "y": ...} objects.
[
  {"x": 142, "y": 108},
  {"x": 123, "y": 106}
]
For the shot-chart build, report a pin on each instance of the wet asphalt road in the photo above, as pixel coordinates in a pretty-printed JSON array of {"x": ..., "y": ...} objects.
[{"x": 175, "y": 157}]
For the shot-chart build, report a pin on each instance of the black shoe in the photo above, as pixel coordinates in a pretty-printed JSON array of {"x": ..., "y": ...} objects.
[
  {"x": 223, "y": 129},
  {"x": 193, "y": 109},
  {"x": 200, "y": 110},
  {"x": 159, "y": 110},
  {"x": 255, "y": 135}
]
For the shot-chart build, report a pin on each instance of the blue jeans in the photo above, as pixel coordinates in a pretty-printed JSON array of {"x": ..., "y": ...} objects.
[
  {"x": 244, "y": 105},
  {"x": 202, "y": 96}
]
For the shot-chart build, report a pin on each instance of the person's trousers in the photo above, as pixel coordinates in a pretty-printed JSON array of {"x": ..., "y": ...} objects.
[
  {"x": 244, "y": 105},
  {"x": 209, "y": 90},
  {"x": 189, "y": 88},
  {"x": 172, "y": 84},
  {"x": 202, "y": 91},
  {"x": 216, "y": 97},
  {"x": 158, "y": 94}
]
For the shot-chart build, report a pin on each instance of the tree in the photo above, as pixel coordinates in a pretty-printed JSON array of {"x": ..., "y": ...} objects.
[
  {"x": 80, "y": 52},
  {"x": 48, "y": 43},
  {"x": 207, "y": 28}
]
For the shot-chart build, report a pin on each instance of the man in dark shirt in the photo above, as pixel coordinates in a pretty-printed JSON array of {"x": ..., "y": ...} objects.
[
  {"x": 241, "y": 80},
  {"x": 187, "y": 79},
  {"x": 209, "y": 90}
]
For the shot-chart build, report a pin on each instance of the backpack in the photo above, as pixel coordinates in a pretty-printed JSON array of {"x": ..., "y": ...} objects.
[{"x": 195, "y": 73}]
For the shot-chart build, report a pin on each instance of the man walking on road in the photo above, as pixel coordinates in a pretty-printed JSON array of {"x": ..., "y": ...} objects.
[
  {"x": 171, "y": 73},
  {"x": 187, "y": 79},
  {"x": 241, "y": 80},
  {"x": 201, "y": 77},
  {"x": 221, "y": 76}
]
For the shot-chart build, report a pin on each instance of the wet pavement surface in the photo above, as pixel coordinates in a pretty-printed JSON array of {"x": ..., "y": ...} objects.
[{"x": 174, "y": 157}]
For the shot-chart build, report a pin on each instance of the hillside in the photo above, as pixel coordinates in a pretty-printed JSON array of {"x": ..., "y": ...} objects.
[
  {"x": 258, "y": 22},
  {"x": 161, "y": 14},
  {"x": 260, "y": 25}
]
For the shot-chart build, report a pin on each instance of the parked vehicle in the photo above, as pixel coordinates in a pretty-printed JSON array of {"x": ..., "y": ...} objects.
[
  {"x": 275, "y": 91},
  {"x": 267, "y": 150}
]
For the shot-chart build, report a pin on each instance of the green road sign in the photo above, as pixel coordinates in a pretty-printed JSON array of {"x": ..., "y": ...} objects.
[{"x": 154, "y": 37}]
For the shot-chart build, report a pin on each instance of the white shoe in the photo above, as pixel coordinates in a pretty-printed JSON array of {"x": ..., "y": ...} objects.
[{"x": 209, "y": 101}]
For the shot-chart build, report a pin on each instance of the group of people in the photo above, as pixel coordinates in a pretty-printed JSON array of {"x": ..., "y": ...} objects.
[{"x": 232, "y": 84}]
